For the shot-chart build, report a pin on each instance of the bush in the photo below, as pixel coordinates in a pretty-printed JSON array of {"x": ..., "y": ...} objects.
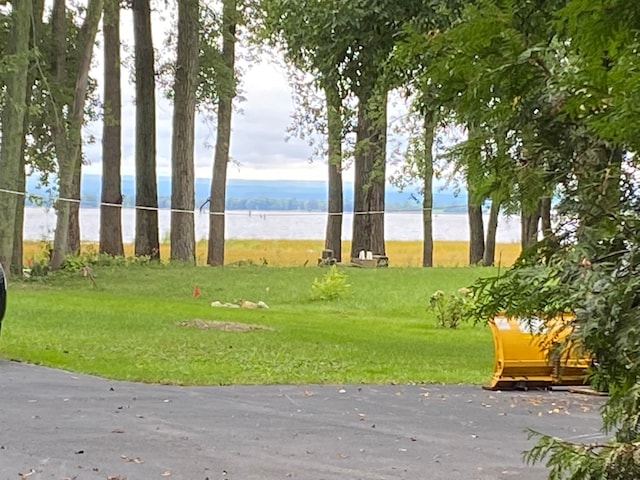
[
  {"x": 451, "y": 309},
  {"x": 331, "y": 286}
]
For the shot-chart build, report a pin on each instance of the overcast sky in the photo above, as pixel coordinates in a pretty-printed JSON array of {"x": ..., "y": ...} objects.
[{"x": 259, "y": 128}]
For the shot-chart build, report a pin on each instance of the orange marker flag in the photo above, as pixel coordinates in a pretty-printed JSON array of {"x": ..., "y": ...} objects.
[{"x": 196, "y": 291}]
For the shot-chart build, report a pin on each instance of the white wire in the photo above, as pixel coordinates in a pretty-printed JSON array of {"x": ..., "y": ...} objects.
[{"x": 231, "y": 212}]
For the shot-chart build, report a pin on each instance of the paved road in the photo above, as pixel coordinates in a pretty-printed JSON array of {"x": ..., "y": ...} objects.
[{"x": 59, "y": 425}]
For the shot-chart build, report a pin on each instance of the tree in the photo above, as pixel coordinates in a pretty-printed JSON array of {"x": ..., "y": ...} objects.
[
  {"x": 226, "y": 94},
  {"x": 335, "y": 127},
  {"x": 351, "y": 42},
  {"x": 499, "y": 160},
  {"x": 146, "y": 241},
  {"x": 182, "y": 147},
  {"x": 13, "y": 116},
  {"x": 111, "y": 200},
  {"x": 426, "y": 174},
  {"x": 580, "y": 124},
  {"x": 370, "y": 174},
  {"x": 286, "y": 25},
  {"x": 68, "y": 124}
]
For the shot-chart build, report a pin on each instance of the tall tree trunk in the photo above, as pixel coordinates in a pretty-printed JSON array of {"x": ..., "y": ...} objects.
[
  {"x": 111, "y": 198},
  {"x": 545, "y": 215},
  {"x": 369, "y": 185},
  {"x": 489, "y": 256},
  {"x": 17, "y": 264},
  {"x": 147, "y": 240},
  {"x": 529, "y": 222},
  {"x": 427, "y": 179},
  {"x": 74, "y": 213},
  {"x": 333, "y": 235},
  {"x": 183, "y": 239},
  {"x": 13, "y": 115},
  {"x": 67, "y": 131},
  {"x": 476, "y": 233},
  {"x": 227, "y": 92}
]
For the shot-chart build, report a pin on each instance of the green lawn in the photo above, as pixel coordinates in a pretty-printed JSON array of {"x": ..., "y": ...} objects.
[{"x": 129, "y": 326}]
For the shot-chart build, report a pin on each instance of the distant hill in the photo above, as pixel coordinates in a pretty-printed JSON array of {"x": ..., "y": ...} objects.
[{"x": 265, "y": 195}]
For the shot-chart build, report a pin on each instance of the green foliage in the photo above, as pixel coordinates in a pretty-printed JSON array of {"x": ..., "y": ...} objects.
[
  {"x": 453, "y": 308},
  {"x": 37, "y": 268},
  {"x": 593, "y": 272},
  {"x": 569, "y": 461},
  {"x": 333, "y": 285},
  {"x": 544, "y": 89}
]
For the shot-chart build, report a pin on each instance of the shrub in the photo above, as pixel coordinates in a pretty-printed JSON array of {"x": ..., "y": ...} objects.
[
  {"x": 331, "y": 286},
  {"x": 451, "y": 309}
]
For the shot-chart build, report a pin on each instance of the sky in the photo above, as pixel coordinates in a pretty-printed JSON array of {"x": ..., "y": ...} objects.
[
  {"x": 259, "y": 145},
  {"x": 259, "y": 148}
]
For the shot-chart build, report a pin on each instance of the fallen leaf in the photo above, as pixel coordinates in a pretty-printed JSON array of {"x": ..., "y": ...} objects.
[
  {"x": 132, "y": 459},
  {"x": 27, "y": 474},
  {"x": 166, "y": 473},
  {"x": 117, "y": 430},
  {"x": 116, "y": 477}
]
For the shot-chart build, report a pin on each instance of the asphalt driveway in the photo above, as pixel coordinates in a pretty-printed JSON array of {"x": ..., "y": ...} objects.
[{"x": 60, "y": 425}]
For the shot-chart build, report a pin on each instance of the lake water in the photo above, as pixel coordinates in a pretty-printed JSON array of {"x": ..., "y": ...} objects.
[{"x": 295, "y": 225}]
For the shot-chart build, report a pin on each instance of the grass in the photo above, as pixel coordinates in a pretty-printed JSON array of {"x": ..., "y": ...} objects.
[
  {"x": 288, "y": 253},
  {"x": 129, "y": 326}
]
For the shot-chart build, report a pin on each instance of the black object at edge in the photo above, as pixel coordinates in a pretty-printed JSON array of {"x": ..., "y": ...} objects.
[{"x": 3, "y": 294}]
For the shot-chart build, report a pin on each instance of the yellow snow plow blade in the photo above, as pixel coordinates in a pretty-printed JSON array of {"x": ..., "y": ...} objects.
[{"x": 521, "y": 357}]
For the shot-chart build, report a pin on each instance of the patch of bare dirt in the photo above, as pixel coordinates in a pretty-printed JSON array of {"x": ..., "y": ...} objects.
[{"x": 220, "y": 325}]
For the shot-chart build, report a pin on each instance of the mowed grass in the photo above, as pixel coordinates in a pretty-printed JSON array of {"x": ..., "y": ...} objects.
[{"x": 129, "y": 326}]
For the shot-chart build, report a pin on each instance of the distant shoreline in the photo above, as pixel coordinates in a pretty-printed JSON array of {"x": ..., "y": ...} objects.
[
  {"x": 267, "y": 195},
  {"x": 270, "y": 225}
]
